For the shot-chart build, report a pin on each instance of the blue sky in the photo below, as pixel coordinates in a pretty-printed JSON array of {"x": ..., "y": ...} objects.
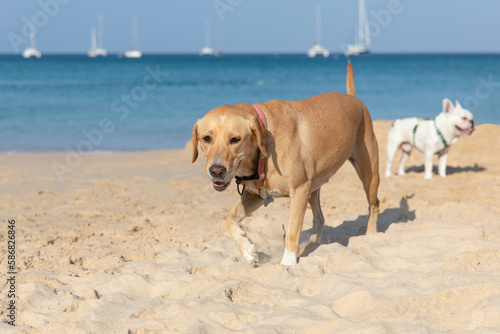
[{"x": 253, "y": 26}]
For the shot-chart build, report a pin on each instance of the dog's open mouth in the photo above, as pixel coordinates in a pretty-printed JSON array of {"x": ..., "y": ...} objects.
[
  {"x": 221, "y": 186},
  {"x": 465, "y": 131}
]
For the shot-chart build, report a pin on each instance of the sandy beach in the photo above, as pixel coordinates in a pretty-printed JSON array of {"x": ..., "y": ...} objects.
[{"x": 135, "y": 243}]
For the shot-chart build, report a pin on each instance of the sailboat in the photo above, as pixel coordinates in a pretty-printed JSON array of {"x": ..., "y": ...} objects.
[
  {"x": 93, "y": 43},
  {"x": 31, "y": 51},
  {"x": 318, "y": 50},
  {"x": 134, "y": 52},
  {"x": 364, "y": 42},
  {"x": 207, "y": 50},
  {"x": 97, "y": 50}
]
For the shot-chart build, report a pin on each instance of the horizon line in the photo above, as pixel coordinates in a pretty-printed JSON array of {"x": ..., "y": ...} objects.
[{"x": 265, "y": 53}]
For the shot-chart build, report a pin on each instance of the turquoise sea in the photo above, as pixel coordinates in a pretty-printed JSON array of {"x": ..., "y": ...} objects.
[{"x": 56, "y": 103}]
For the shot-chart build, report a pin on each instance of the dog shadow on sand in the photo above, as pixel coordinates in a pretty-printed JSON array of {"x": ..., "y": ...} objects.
[
  {"x": 449, "y": 169},
  {"x": 353, "y": 228}
]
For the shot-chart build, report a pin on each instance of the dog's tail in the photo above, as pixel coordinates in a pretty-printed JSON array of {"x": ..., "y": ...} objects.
[{"x": 349, "y": 80}]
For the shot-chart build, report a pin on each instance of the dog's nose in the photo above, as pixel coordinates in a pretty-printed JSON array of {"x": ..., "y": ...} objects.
[
  {"x": 217, "y": 171},
  {"x": 472, "y": 123}
]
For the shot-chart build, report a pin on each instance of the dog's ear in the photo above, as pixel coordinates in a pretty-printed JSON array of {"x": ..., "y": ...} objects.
[
  {"x": 447, "y": 106},
  {"x": 457, "y": 104},
  {"x": 195, "y": 142},
  {"x": 259, "y": 131}
]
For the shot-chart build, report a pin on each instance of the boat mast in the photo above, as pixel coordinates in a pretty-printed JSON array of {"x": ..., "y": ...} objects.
[
  {"x": 366, "y": 31},
  {"x": 207, "y": 34},
  {"x": 32, "y": 35},
  {"x": 100, "y": 33},
  {"x": 318, "y": 24},
  {"x": 361, "y": 23},
  {"x": 93, "y": 41},
  {"x": 364, "y": 28},
  {"x": 135, "y": 34}
]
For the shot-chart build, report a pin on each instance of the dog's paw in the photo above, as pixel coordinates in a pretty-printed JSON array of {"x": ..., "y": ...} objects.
[
  {"x": 388, "y": 174},
  {"x": 249, "y": 252},
  {"x": 428, "y": 177},
  {"x": 289, "y": 259}
]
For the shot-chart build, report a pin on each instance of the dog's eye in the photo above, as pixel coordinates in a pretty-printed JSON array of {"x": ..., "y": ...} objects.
[
  {"x": 464, "y": 118},
  {"x": 235, "y": 140},
  {"x": 206, "y": 139}
]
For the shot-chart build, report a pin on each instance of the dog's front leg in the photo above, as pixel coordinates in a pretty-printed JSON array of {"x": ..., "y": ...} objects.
[
  {"x": 247, "y": 204},
  {"x": 428, "y": 164},
  {"x": 318, "y": 219},
  {"x": 298, "y": 203},
  {"x": 443, "y": 158},
  {"x": 405, "y": 154}
]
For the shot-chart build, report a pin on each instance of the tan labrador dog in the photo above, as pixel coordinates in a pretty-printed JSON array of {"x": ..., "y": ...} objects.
[{"x": 304, "y": 143}]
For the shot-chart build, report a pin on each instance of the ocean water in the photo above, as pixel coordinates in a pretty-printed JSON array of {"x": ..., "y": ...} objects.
[{"x": 63, "y": 103}]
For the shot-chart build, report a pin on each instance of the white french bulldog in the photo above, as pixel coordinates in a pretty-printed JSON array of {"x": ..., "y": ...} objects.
[{"x": 430, "y": 136}]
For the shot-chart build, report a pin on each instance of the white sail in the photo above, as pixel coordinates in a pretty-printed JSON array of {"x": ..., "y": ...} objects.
[
  {"x": 93, "y": 42},
  {"x": 364, "y": 29},
  {"x": 32, "y": 51},
  {"x": 97, "y": 40},
  {"x": 318, "y": 50},
  {"x": 207, "y": 49},
  {"x": 364, "y": 41},
  {"x": 134, "y": 52}
]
